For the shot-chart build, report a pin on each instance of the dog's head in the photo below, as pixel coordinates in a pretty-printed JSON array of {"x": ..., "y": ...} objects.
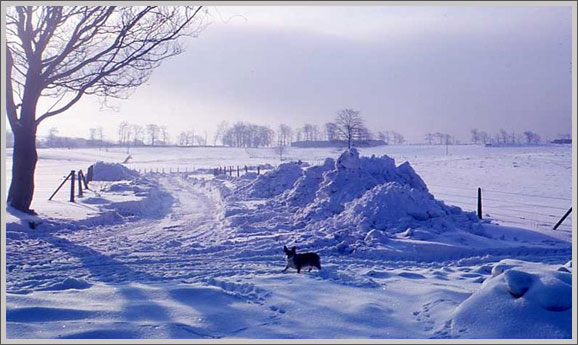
[{"x": 290, "y": 252}]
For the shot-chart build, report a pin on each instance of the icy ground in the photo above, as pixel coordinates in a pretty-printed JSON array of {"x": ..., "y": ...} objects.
[{"x": 186, "y": 256}]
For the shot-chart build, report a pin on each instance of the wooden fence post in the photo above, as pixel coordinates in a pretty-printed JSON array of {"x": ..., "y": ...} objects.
[
  {"x": 81, "y": 174},
  {"x": 563, "y": 218},
  {"x": 238, "y": 171},
  {"x": 90, "y": 174},
  {"x": 246, "y": 170},
  {"x": 258, "y": 169},
  {"x": 80, "y": 194},
  {"x": 479, "y": 203},
  {"x": 57, "y": 189},
  {"x": 72, "y": 182}
]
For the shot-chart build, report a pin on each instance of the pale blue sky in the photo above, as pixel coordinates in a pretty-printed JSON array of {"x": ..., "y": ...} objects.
[{"x": 411, "y": 69}]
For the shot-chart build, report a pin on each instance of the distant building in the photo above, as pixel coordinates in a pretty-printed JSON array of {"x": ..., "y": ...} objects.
[{"x": 561, "y": 141}]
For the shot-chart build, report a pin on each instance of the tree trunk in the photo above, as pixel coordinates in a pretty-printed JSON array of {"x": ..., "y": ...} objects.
[{"x": 24, "y": 160}]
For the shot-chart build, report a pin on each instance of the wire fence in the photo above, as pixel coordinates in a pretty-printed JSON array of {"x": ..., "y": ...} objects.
[{"x": 508, "y": 208}]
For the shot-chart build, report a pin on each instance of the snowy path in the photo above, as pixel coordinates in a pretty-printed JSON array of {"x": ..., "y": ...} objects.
[{"x": 145, "y": 250}]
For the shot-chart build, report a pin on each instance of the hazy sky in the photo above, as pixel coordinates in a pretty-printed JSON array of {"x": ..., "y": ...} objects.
[{"x": 412, "y": 69}]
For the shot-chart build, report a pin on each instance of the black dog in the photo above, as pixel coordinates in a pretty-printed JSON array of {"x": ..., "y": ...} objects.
[{"x": 299, "y": 261}]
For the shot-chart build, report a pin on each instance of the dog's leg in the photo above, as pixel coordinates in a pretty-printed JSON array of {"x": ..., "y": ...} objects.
[
  {"x": 310, "y": 269},
  {"x": 299, "y": 270},
  {"x": 286, "y": 267}
]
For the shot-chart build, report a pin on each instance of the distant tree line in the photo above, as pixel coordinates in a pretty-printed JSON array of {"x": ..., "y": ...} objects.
[
  {"x": 347, "y": 129},
  {"x": 248, "y": 135},
  {"x": 503, "y": 137}
]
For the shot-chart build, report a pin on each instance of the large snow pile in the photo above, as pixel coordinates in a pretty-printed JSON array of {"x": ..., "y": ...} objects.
[
  {"x": 353, "y": 176},
  {"x": 521, "y": 300},
  {"x": 112, "y": 172},
  {"x": 276, "y": 181},
  {"x": 352, "y": 204},
  {"x": 304, "y": 189},
  {"x": 393, "y": 206}
]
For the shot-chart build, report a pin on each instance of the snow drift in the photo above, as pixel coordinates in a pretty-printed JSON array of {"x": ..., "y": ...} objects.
[
  {"x": 521, "y": 300},
  {"x": 348, "y": 204},
  {"x": 276, "y": 181},
  {"x": 112, "y": 172},
  {"x": 352, "y": 176}
]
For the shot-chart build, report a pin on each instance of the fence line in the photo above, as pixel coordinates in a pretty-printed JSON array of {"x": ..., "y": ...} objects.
[
  {"x": 509, "y": 201},
  {"x": 509, "y": 210},
  {"x": 501, "y": 192}
]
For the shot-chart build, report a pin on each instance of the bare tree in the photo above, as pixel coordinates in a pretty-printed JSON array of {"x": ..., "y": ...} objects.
[
  {"x": 137, "y": 135},
  {"x": 502, "y": 136},
  {"x": 66, "y": 52},
  {"x": 397, "y": 138},
  {"x": 440, "y": 136},
  {"x": 285, "y": 135},
  {"x": 92, "y": 135},
  {"x": 308, "y": 132},
  {"x": 123, "y": 129},
  {"x": 99, "y": 136},
  {"x": 52, "y": 140},
  {"x": 475, "y": 135},
  {"x": 164, "y": 135},
  {"x": 364, "y": 134},
  {"x": 183, "y": 139},
  {"x": 220, "y": 132},
  {"x": 153, "y": 133},
  {"x": 385, "y": 136},
  {"x": 298, "y": 134},
  {"x": 315, "y": 133},
  {"x": 349, "y": 124},
  {"x": 201, "y": 141},
  {"x": 531, "y": 137},
  {"x": 331, "y": 131}
]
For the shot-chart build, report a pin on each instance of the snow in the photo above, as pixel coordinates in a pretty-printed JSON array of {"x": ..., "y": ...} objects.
[
  {"x": 524, "y": 301},
  {"x": 275, "y": 182},
  {"x": 351, "y": 177},
  {"x": 191, "y": 255},
  {"x": 112, "y": 172}
]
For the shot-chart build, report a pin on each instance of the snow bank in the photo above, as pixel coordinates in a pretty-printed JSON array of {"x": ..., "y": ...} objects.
[
  {"x": 350, "y": 203},
  {"x": 276, "y": 181},
  {"x": 112, "y": 172},
  {"x": 522, "y": 300},
  {"x": 352, "y": 177},
  {"x": 304, "y": 189},
  {"x": 385, "y": 205}
]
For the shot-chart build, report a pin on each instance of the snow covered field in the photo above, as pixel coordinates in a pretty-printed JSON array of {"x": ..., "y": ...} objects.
[{"x": 191, "y": 256}]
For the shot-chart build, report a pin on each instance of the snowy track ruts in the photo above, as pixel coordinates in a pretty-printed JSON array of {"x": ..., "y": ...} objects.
[
  {"x": 190, "y": 243},
  {"x": 142, "y": 250}
]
